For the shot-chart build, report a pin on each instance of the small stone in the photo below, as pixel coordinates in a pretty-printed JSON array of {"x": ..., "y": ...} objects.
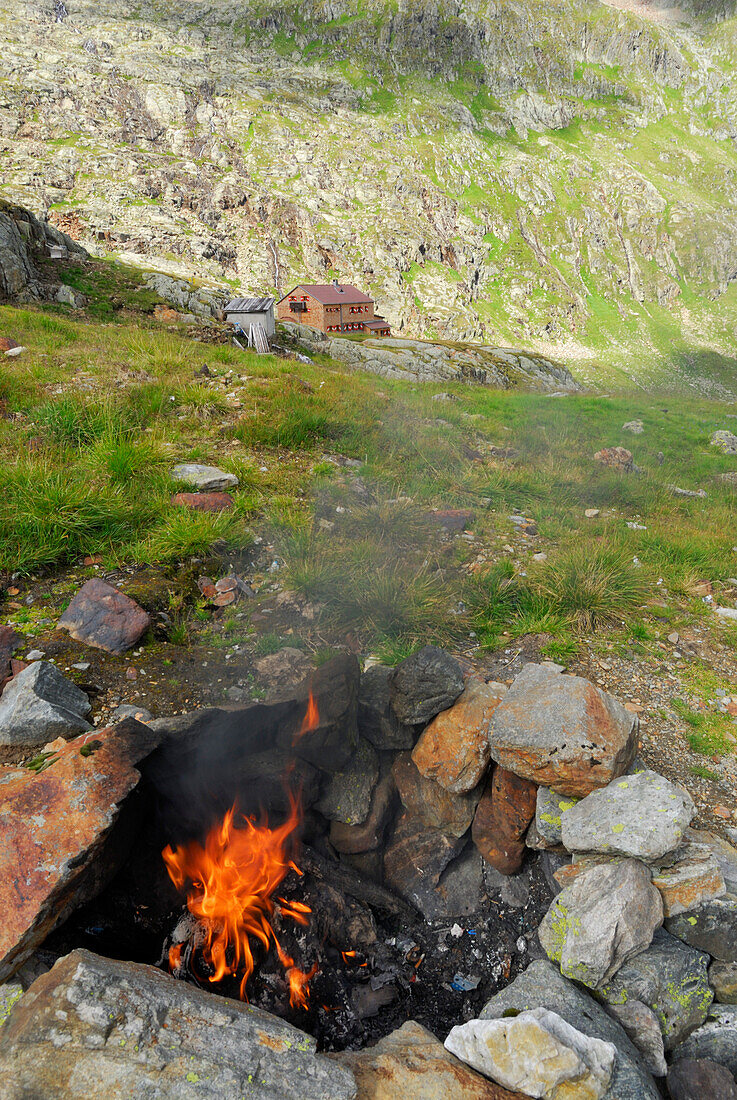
[
  {"x": 205, "y": 478},
  {"x": 643, "y": 815},
  {"x": 536, "y": 1052},
  {"x": 591, "y": 513},
  {"x": 104, "y": 618},
  {"x": 282, "y": 669},
  {"x": 127, "y": 710},
  {"x": 35, "y": 654},
  {"x": 635, "y": 426},
  {"x": 81, "y": 666},
  {"x": 608, "y": 914},
  {"x": 674, "y": 638},
  {"x": 424, "y": 684},
  {"x": 453, "y": 519},
  {"x": 700, "y": 1079},
  {"x": 37, "y": 706},
  {"x": 506, "y": 809},
  {"x": 454, "y": 749}
]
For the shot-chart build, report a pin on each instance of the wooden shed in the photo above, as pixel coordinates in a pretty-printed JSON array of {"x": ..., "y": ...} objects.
[{"x": 244, "y": 312}]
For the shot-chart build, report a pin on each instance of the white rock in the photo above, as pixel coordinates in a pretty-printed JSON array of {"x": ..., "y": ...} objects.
[
  {"x": 537, "y": 1053},
  {"x": 13, "y": 352}
]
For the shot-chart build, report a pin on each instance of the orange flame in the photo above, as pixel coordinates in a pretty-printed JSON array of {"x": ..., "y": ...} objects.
[
  {"x": 231, "y": 880},
  {"x": 311, "y": 719}
]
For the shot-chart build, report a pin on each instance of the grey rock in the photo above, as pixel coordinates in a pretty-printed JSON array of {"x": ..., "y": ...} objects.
[
  {"x": 97, "y": 1027},
  {"x": 715, "y": 1040},
  {"x": 608, "y": 914},
  {"x": 414, "y": 862},
  {"x": 68, "y": 297},
  {"x": 37, "y": 706},
  {"x": 723, "y": 980},
  {"x": 128, "y": 710},
  {"x": 725, "y": 441},
  {"x": 347, "y": 795},
  {"x": 711, "y": 927},
  {"x": 699, "y": 1079},
  {"x": 634, "y": 426},
  {"x": 512, "y": 890},
  {"x": 641, "y": 1024},
  {"x": 536, "y": 1052},
  {"x": 548, "y": 814},
  {"x": 642, "y": 815},
  {"x": 376, "y": 719},
  {"x": 205, "y": 478},
  {"x": 562, "y": 732},
  {"x": 367, "y": 837},
  {"x": 671, "y": 979},
  {"x": 724, "y": 853},
  {"x": 542, "y": 985},
  {"x": 687, "y": 877},
  {"x": 10, "y": 993},
  {"x": 424, "y": 684}
]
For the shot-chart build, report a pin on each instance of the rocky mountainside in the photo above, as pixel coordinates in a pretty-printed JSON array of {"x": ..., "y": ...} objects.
[{"x": 560, "y": 175}]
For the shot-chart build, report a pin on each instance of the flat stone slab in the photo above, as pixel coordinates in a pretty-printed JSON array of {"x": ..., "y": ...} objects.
[
  {"x": 563, "y": 732},
  {"x": 204, "y": 502},
  {"x": 39, "y": 705},
  {"x": 454, "y": 749},
  {"x": 104, "y": 618},
  {"x": 643, "y": 816},
  {"x": 671, "y": 979},
  {"x": 542, "y": 985},
  {"x": 54, "y": 828},
  {"x": 207, "y": 479},
  {"x": 607, "y": 914},
  {"x": 94, "y": 1027}
]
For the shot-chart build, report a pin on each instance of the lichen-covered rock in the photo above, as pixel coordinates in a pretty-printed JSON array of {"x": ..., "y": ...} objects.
[
  {"x": 723, "y": 980},
  {"x": 369, "y": 835},
  {"x": 724, "y": 441},
  {"x": 537, "y": 1052},
  {"x": 542, "y": 985},
  {"x": 643, "y": 816},
  {"x": 454, "y": 749},
  {"x": 607, "y": 915},
  {"x": 671, "y": 979},
  {"x": 724, "y": 853},
  {"x": 711, "y": 927},
  {"x": 95, "y": 1027},
  {"x": 715, "y": 1040},
  {"x": 693, "y": 877},
  {"x": 564, "y": 733},
  {"x": 549, "y": 813},
  {"x": 616, "y": 458},
  {"x": 424, "y": 684}
]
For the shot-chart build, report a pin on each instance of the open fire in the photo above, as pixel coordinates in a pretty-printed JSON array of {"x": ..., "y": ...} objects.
[{"x": 231, "y": 882}]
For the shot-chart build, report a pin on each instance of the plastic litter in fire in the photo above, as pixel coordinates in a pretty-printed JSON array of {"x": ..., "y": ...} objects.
[{"x": 463, "y": 984}]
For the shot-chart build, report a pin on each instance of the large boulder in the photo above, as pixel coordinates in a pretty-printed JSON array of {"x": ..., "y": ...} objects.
[
  {"x": 411, "y": 1062},
  {"x": 564, "y": 733},
  {"x": 505, "y": 811},
  {"x": 538, "y": 1053},
  {"x": 715, "y": 1040},
  {"x": 542, "y": 985},
  {"x": 607, "y": 914},
  {"x": 711, "y": 927},
  {"x": 95, "y": 1027},
  {"x": 429, "y": 803},
  {"x": 424, "y": 684},
  {"x": 643, "y": 816},
  {"x": 58, "y": 847},
  {"x": 671, "y": 979},
  {"x": 23, "y": 237},
  {"x": 39, "y": 705},
  {"x": 104, "y": 618},
  {"x": 454, "y": 749}
]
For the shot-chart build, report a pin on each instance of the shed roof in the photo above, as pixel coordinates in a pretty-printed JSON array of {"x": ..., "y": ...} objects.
[
  {"x": 249, "y": 305},
  {"x": 378, "y": 323},
  {"x": 331, "y": 295}
]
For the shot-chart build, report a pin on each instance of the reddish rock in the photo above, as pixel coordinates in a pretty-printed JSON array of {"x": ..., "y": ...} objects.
[
  {"x": 454, "y": 749},
  {"x": 166, "y": 315},
  {"x": 204, "y": 502},
  {"x": 414, "y": 861},
  {"x": 693, "y": 877},
  {"x": 504, "y": 813},
  {"x": 6, "y": 344},
  {"x": 617, "y": 458},
  {"x": 429, "y": 803},
  {"x": 56, "y": 847},
  {"x": 104, "y": 618},
  {"x": 453, "y": 519},
  {"x": 9, "y": 642}
]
